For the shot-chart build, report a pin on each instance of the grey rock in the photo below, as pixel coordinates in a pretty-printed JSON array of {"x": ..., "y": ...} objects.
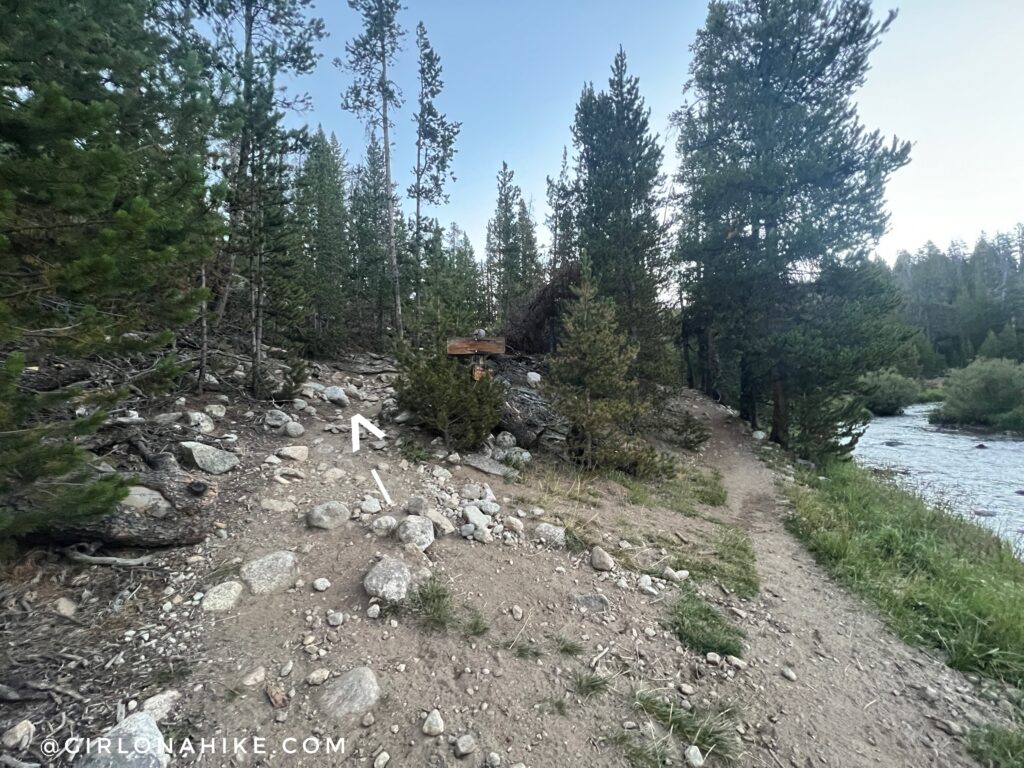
[
  {"x": 321, "y": 585},
  {"x": 19, "y": 736},
  {"x": 216, "y": 410},
  {"x": 335, "y": 618},
  {"x": 280, "y": 506},
  {"x": 789, "y": 674},
  {"x": 418, "y": 531},
  {"x": 416, "y": 505},
  {"x": 488, "y": 507},
  {"x": 533, "y": 379},
  {"x": 443, "y": 524},
  {"x": 478, "y": 519},
  {"x": 646, "y": 585},
  {"x": 294, "y": 452},
  {"x": 434, "y": 724},
  {"x": 200, "y": 421},
  {"x": 370, "y": 506},
  {"x": 593, "y": 602},
  {"x": 271, "y": 573},
  {"x": 207, "y": 458},
  {"x": 161, "y": 705},
  {"x": 489, "y": 466},
  {"x": 146, "y": 501},
  {"x": 337, "y": 396},
  {"x": 294, "y": 429},
  {"x": 467, "y": 531},
  {"x": 601, "y": 560},
  {"x": 465, "y": 745},
  {"x": 222, "y": 597},
  {"x": 505, "y": 440},
  {"x": 552, "y": 535},
  {"x": 389, "y": 580},
  {"x": 276, "y": 419},
  {"x": 353, "y": 694},
  {"x": 65, "y": 607},
  {"x": 694, "y": 758},
  {"x": 318, "y": 677},
  {"x": 135, "y": 742},
  {"x": 384, "y": 525},
  {"x": 328, "y": 515}
]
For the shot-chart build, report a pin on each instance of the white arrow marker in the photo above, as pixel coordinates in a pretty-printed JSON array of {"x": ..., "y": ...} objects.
[
  {"x": 361, "y": 421},
  {"x": 383, "y": 490}
]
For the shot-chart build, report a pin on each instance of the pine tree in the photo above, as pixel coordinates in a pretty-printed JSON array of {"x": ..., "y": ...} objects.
[
  {"x": 618, "y": 164},
  {"x": 103, "y": 221},
  {"x": 589, "y": 377},
  {"x": 322, "y": 214},
  {"x": 435, "y": 147},
  {"x": 561, "y": 220},
  {"x": 780, "y": 180},
  {"x": 371, "y": 289},
  {"x": 370, "y": 57},
  {"x": 504, "y": 252}
]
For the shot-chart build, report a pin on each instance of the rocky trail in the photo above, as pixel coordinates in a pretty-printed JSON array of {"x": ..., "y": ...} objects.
[{"x": 479, "y": 620}]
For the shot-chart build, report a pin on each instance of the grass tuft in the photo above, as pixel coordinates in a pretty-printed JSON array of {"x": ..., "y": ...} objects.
[
  {"x": 432, "y": 603},
  {"x": 702, "y": 627},
  {"x": 587, "y": 684},
  {"x": 996, "y": 747},
  {"x": 643, "y": 753},
  {"x": 733, "y": 562},
  {"x": 714, "y": 734},
  {"x": 476, "y": 625},
  {"x": 525, "y": 650},
  {"x": 569, "y": 647}
]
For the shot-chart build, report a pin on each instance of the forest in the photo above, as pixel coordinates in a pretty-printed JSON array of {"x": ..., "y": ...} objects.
[{"x": 156, "y": 206}]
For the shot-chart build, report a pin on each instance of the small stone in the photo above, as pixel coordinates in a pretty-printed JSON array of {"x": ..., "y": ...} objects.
[
  {"x": 389, "y": 580},
  {"x": 693, "y": 756},
  {"x": 517, "y": 613},
  {"x": 368, "y": 720},
  {"x": 417, "y": 531},
  {"x": 686, "y": 689},
  {"x": 416, "y": 505},
  {"x": 294, "y": 429},
  {"x": 271, "y": 573},
  {"x": 533, "y": 379},
  {"x": 354, "y": 693},
  {"x": 382, "y": 759},
  {"x": 222, "y": 597},
  {"x": 465, "y": 745},
  {"x": 713, "y": 659},
  {"x": 493, "y": 760},
  {"x": 327, "y": 516},
  {"x": 736, "y": 663},
  {"x": 434, "y": 724},
  {"x": 65, "y": 607},
  {"x": 370, "y": 506},
  {"x": 321, "y": 585},
  {"x": 294, "y": 452},
  {"x": 161, "y": 705},
  {"x": 384, "y": 525},
  {"x": 255, "y": 677},
  {"x": 373, "y": 611},
  {"x": 278, "y": 506},
  {"x": 133, "y": 743},
  {"x": 592, "y": 603},
  {"x": 336, "y": 396},
  {"x": 646, "y": 585},
  {"x": 601, "y": 560},
  {"x": 318, "y": 677},
  {"x": 552, "y": 535},
  {"x": 276, "y": 419},
  {"x": 789, "y": 674},
  {"x": 207, "y": 458},
  {"x": 19, "y": 736},
  {"x": 335, "y": 618}
]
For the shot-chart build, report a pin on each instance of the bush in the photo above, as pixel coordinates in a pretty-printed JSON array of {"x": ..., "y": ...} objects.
[
  {"x": 442, "y": 391},
  {"x": 887, "y": 393},
  {"x": 987, "y": 393}
]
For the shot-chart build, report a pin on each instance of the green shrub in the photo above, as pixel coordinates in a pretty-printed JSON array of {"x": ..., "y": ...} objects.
[
  {"x": 887, "y": 393},
  {"x": 442, "y": 391},
  {"x": 987, "y": 393}
]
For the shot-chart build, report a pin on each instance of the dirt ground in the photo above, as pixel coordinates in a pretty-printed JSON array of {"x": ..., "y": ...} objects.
[{"x": 855, "y": 695}]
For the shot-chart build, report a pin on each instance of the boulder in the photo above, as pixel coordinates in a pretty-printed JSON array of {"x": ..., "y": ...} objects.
[
  {"x": 389, "y": 580},
  {"x": 294, "y": 429},
  {"x": 294, "y": 452},
  {"x": 418, "y": 531},
  {"x": 271, "y": 573},
  {"x": 207, "y": 458},
  {"x": 328, "y": 515},
  {"x": 353, "y": 694},
  {"x": 276, "y": 419}
]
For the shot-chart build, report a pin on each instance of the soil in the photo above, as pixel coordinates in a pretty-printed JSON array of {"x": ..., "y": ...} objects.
[{"x": 860, "y": 697}]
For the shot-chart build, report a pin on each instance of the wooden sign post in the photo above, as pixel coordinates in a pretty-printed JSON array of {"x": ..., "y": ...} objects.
[{"x": 479, "y": 348}]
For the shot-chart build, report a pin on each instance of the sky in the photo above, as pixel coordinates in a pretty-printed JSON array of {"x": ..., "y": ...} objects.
[{"x": 947, "y": 77}]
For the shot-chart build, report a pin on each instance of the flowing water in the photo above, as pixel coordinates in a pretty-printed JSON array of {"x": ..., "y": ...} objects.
[{"x": 947, "y": 466}]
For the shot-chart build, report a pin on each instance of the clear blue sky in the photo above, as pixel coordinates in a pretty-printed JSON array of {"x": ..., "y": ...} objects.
[{"x": 947, "y": 77}]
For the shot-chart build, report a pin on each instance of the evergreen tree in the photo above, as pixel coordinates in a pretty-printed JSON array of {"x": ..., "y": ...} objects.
[
  {"x": 504, "y": 251},
  {"x": 370, "y": 57},
  {"x": 103, "y": 221},
  {"x": 781, "y": 182},
  {"x": 561, "y": 220},
  {"x": 618, "y": 175},
  {"x": 435, "y": 145},
  {"x": 371, "y": 288},
  {"x": 453, "y": 287},
  {"x": 322, "y": 215}
]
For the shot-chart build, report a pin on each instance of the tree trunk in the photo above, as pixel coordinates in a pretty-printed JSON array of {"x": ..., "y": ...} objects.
[
  {"x": 748, "y": 393},
  {"x": 392, "y": 249},
  {"x": 204, "y": 342},
  {"x": 780, "y": 412}
]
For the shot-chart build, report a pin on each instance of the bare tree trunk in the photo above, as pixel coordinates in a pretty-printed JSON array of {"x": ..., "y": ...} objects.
[
  {"x": 392, "y": 248},
  {"x": 204, "y": 343},
  {"x": 780, "y": 412}
]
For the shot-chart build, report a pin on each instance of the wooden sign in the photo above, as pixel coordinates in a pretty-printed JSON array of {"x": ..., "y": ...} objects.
[{"x": 470, "y": 345}]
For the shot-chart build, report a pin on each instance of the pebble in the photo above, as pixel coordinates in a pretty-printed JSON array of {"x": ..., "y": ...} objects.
[
  {"x": 318, "y": 677},
  {"x": 373, "y": 611},
  {"x": 321, "y": 585},
  {"x": 601, "y": 560},
  {"x": 789, "y": 674},
  {"x": 517, "y": 613},
  {"x": 434, "y": 724},
  {"x": 693, "y": 756},
  {"x": 18, "y": 736},
  {"x": 382, "y": 759},
  {"x": 713, "y": 659},
  {"x": 255, "y": 677},
  {"x": 465, "y": 745}
]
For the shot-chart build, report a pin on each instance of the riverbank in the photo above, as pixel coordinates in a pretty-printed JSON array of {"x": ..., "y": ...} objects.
[{"x": 940, "y": 581}]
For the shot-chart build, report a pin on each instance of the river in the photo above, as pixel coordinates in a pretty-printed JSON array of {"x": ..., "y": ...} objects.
[{"x": 947, "y": 466}]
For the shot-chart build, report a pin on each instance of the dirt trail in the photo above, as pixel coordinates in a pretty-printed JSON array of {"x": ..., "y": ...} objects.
[
  {"x": 259, "y": 669},
  {"x": 861, "y": 696}
]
